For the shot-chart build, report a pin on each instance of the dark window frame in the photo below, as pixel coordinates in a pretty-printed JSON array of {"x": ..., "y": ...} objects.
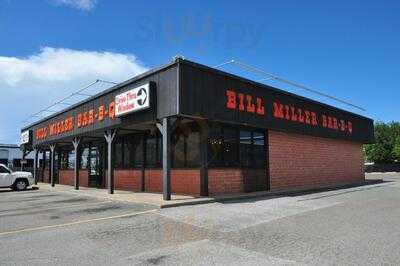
[
  {"x": 239, "y": 162},
  {"x": 158, "y": 151},
  {"x": 181, "y": 130},
  {"x": 133, "y": 162},
  {"x": 84, "y": 157},
  {"x": 62, "y": 159}
]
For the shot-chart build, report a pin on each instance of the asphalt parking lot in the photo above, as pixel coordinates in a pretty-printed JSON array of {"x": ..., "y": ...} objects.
[
  {"x": 352, "y": 226},
  {"x": 33, "y": 209}
]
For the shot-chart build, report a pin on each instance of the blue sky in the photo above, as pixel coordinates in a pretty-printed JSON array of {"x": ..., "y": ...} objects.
[{"x": 49, "y": 48}]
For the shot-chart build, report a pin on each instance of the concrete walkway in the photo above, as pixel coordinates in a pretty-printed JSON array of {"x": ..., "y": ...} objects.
[
  {"x": 128, "y": 196},
  {"x": 156, "y": 199}
]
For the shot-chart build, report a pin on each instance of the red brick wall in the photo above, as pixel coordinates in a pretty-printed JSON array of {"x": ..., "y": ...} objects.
[
  {"x": 84, "y": 178},
  {"x": 128, "y": 179},
  {"x": 153, "y": 180},
  {"x": 225, "y": 181},
  {"x": 183, "y": 181},
  {"x": 66, "y": 177},
  {"x": 306, "y": 161},
  {"x": 124, "y": 179},
  {"x": 46, "y": 176}
]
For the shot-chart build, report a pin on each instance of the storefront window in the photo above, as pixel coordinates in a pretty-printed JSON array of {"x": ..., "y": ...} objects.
[
  {"x": 186, "y": 146},
  {"x": 178, "y": 149},
  {"x": 134, "y": 151},
  {"x": 47, "y": 161},
  {"x": 230, "y": 153},
  {"x": 246, "y": 146},
  {"x": 118, "y": 154},
  {"x": 259, "y": 151},
  {"x": 63, "y": 155},
  {"x": 234, "y": 146},
  {"x": 154, "y": 150},
  {"x": 193, "y": 149},
  {"x": 84, "y": 158},
  {"x": 71, "y": 159},
  {"x": 66, "y": 159},
  {"x": 215, "y": 146},
  {"x": 128, "y": 151}
]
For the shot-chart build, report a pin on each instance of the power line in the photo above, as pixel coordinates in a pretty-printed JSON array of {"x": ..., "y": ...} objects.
[
  {"x": 106, "y": 81},
  {"x": 226, "y": 63},
  {"x": 79, "y": 92},
  {"x": 269, "y": 76}
]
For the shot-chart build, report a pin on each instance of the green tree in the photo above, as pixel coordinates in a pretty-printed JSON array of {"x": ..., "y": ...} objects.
[
  {"x": 396, "y": 149},
  {"x": 382, "y": 151}
]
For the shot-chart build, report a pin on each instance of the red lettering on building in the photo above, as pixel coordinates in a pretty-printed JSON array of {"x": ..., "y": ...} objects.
[
  {"x": 278, "y": 110},
  {"x": 101, "y": 113},
  {"x": 231, "y": 99},
  {"x": 251, "y": 108},
  {"x": 324, "y": 121},
  {"x": 334, "y": 123},
  {"x": 287, "y": 112},
  {"x": 260, "y": 106},
  {"x": 308, "y": 120},
  {"x": 293, "y": 113},
  {"x": 41, "y": 133},
  {"x": 82, "y": 120},
  {"x": 241, "y": 102},
  {"x": 91, "y": 117},
  {"x": 85, "y": 119},
  {"x": 301, "y": 115},
  {"x": 350, "y": 127},
  {"x": 314, "y": 120},
  {"x": 244, "y": 102},
  {"x": 111, "y": 110}
]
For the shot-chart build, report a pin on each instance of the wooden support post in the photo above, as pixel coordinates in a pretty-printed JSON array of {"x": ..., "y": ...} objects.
[
  {"x": 166, "y": 158},
  {"x": 204, "y": 160},
  {"x": 52, "y": 166},
  {"x": 143, "y": 177},
  {"x": 43, "y": 164},
  {"x": 35, "y": 163},
  {"x": 76, "y": 143},
  {"x": 104, "y": 165},
  {"x": 109, "y": 135}
]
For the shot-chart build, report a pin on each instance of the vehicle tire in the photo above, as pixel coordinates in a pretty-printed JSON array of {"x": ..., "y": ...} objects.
[{"x": 20, "y": 184}]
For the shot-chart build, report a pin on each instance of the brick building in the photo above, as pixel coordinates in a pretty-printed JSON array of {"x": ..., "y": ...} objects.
[{"x": 190, "y": 129}]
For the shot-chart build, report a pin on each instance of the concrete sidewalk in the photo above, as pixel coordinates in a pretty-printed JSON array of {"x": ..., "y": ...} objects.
[
  {"x": 182, "y": 200},
  {"x": 155, "y": 199}
]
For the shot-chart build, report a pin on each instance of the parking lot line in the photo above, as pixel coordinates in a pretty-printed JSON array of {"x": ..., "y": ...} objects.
[{"x": 76, "y": 222}]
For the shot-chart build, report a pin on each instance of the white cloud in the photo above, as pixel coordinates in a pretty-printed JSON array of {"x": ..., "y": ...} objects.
[
  {"x": 31, "y": 83},
  {"x": 64, "y": 65},
  {"x": 85, "y": 5}
]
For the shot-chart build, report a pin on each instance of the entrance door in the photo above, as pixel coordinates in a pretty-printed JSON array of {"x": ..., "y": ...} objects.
[{"x": 95, "y": 166}]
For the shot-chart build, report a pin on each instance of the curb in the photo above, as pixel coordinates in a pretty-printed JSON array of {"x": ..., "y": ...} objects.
[
  {"x": 251, "y": 195},
  {"x": 271, "y": 194}
]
